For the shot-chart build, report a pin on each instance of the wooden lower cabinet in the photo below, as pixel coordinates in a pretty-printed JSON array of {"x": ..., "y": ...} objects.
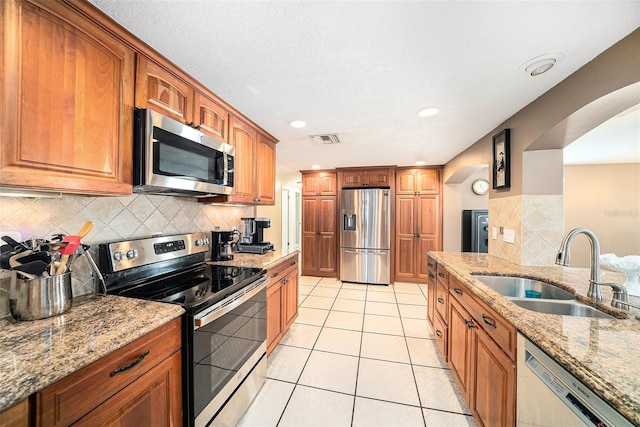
[
  {"x": 282, "y": 300},
  {"x": 477, "y": 344},
  {"x": 493, "y": 401},
  {"x": 16, "y": 416},
  {"x": 153, "y": 399},
  {"x": 138, "y": 384}
]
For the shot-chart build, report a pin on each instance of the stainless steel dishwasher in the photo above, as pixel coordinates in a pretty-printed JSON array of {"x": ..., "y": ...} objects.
[{"x": 548, "y": 395}]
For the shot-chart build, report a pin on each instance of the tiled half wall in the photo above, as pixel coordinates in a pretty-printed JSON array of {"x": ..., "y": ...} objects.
[
  {"x": 114, "y": 218},
  {"x": 538, "y": 221}
]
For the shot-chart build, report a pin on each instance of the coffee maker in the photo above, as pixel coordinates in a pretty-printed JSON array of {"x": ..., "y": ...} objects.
[
  {"x": 221, "y": 242},
  {"x": 252, "y": 240}
]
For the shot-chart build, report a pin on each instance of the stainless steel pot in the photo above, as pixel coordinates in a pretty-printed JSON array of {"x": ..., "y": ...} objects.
[{"x": 39, "y": 298}]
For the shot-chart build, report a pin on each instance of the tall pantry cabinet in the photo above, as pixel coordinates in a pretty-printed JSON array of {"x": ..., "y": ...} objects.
[
  {"x": 418, "y": 221},
  {"x": 319, "y": 223}
]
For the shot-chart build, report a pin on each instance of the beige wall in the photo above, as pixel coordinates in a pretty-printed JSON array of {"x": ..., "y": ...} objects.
[
  {"x": 615, "y": 68},
  {"x": 604, "y": 198},
  {"x": 459, "y": 197}
]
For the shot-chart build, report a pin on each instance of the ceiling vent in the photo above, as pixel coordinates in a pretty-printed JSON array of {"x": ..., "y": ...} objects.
[{"x": 330, "y": 138}]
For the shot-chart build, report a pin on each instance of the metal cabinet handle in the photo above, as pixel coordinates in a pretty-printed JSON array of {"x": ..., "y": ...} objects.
[
  {"x": 274, "y": 275},
  {"x": 285, "y": 281},
  {"x": 457, "y": 291},
  {"x": 489, "y": 321},
  {"x": 440, "y": 300},
  {"x": 469, "y": 324},
  {"x": 438, "y": 333},
  {"x": 130, "y": 365},
  {"x": 293, "y": 263},
  {"x": 431, "y": 276},
  {"x": 441, "y": 275},
  {"x": 430, "y": 264}
]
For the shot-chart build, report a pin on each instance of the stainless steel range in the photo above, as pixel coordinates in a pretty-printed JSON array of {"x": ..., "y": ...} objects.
[{"x": 224, "y": 332}]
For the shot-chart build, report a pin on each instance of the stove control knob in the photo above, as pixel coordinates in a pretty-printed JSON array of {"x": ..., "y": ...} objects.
[
  {"x": 206, "y": 241},
  {"x": 132, "y": 253},
  {"x": 117, "y": 256},
  {"x": 199, "y": 242}
]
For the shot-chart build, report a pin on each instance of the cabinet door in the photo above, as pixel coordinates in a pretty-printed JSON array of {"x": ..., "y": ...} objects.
[
  {"x": 243, "y": 137},
  {"x": 212, "y": 118},
  {"x": 441, "y": 335},
  {"x": 274, "y": 315},
  {"x": 309, "y": 248},
  {"x": 290, "y": 299},
  {"x": 154, "y": 399},
  {"x": 319, "y": 184},
  {"x": 493, "y": 398},
  {"x": 428, "y": 180},
  {"x": 427, "y": 231},
  {"x": 461, "y": 327},
  {"x": 327, "y": 238},
  {"x": 67, "y": 101},
  {"x": 265, "y": 170},
  {"x": 354, "y": 178},
  {"x": 405, "y": 237},
  {"x": 406, "y": 181},
  {"x": 431, "y": 296},
  {"x": 162, "y": 91},
  {"x": 17, "y": 415},
  {"x": 378, "y": 177}
]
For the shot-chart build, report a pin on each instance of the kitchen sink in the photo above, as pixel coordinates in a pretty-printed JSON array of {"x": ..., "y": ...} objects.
[
  {"x": 521, "y": 287},
  {"x": 564, "y": 308}
]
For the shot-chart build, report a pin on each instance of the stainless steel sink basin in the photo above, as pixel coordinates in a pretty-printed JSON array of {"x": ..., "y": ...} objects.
[
  {"x": 520, "y": 287},
  {"x": 564, "y": 308}
]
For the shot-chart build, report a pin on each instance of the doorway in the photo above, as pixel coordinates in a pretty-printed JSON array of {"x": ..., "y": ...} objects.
[{"x": 291, "y": 219}]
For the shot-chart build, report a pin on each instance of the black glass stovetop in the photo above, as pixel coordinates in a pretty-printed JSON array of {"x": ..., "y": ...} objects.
[{"x": 206, "y": 284}]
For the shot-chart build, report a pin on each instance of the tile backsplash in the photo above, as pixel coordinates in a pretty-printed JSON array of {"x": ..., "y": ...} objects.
[{"x": 114, "y": 218}]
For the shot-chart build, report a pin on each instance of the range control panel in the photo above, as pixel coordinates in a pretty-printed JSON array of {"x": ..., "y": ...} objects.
[{"x": 139, "y": 252}]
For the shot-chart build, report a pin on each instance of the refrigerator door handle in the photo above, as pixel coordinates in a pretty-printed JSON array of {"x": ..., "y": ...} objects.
[{"x": 367, "y": 251}]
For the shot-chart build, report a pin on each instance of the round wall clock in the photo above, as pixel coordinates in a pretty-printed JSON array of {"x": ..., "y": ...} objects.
[{"x": 480, "y": 186}]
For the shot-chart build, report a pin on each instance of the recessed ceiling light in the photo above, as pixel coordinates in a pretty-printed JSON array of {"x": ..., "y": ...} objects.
[
  {"x": 541, "y": 64},
  {"x": 430, "y": 111},
  {"x": 315, "y": 167},
  {"x": 297, "y": 124},
  {"x": 421, "y": 162}
]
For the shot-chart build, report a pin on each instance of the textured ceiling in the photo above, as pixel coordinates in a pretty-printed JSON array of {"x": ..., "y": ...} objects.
[{"x": 363, "y": 69}]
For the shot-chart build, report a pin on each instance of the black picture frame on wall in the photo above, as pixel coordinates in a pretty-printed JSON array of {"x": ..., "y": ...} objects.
[{"x": 501, "y": 160}]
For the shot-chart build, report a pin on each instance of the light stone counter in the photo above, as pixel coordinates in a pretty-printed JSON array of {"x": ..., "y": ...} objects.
[
  {"x": 37, "y": 353},
  {"x": 265, "y": 261},
  {"x": 604, "y": 354}
]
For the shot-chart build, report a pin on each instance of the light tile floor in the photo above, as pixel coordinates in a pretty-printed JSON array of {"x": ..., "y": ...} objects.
[{"x": 358, "y": 355}]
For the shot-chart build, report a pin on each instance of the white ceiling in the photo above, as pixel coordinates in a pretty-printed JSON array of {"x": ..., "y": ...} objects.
[{"x": 363, "y": 69}]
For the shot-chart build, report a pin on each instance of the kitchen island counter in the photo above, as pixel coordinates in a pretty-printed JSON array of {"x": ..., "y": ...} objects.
[
  {"x": 35, "y": 354},
  {"x": 265, "y": 261},
  {"x": 602, "y": 353}
]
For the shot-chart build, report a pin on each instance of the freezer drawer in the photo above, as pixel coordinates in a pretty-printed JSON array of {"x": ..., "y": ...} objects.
[{"x": 365, "y": 266}]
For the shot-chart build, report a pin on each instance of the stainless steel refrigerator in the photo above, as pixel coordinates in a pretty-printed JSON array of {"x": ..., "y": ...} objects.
[{"x": 365, "y": 235}]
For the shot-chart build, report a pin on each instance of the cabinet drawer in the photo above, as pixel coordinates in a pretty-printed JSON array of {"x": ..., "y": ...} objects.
[
  {"x": 280, "y": 270},
  {"x": 443, "y": 275},
  {"x": 501, "y": 331},
  {"x": 67, "y": 400},
  {"x": 442, "y": 301},
  {"x": 441, "y": 334},
  {"x": 431, "y": 265}
]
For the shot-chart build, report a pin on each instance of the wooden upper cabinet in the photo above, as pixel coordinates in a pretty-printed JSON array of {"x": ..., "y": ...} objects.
[
  {"x": 418, "y": 181},
  {"x": 212, "y": 118},
  {"x": 67, "y": 101},
  {"x": 243, "y": 137},
  {"x": 362, "y": 177},
  {"x": 162, "y": 91},
  {"x": 319, "y": 183},
  {"x": 265, "y": 170}
]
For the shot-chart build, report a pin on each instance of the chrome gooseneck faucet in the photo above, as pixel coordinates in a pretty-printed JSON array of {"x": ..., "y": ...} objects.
[{"x": 595, "y": 291}]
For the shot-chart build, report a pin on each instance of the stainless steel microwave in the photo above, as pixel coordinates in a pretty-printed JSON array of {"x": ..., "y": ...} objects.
[{"x": 172, "y": 158}]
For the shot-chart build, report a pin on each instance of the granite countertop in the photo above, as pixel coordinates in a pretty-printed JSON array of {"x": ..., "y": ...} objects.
[
  {"x": 35, "y": 354},
  {"x": 604, "y": 354},
  {"x": 265, "y": 261}
]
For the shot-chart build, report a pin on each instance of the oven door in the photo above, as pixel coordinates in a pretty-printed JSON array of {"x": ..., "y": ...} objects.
[
  {"x": 229, "y": 340},
  {"x": 171, "y": 156}
]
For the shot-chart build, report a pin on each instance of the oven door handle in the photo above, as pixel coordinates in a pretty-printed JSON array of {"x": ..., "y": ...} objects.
[{"x": 229, "y": 303}]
